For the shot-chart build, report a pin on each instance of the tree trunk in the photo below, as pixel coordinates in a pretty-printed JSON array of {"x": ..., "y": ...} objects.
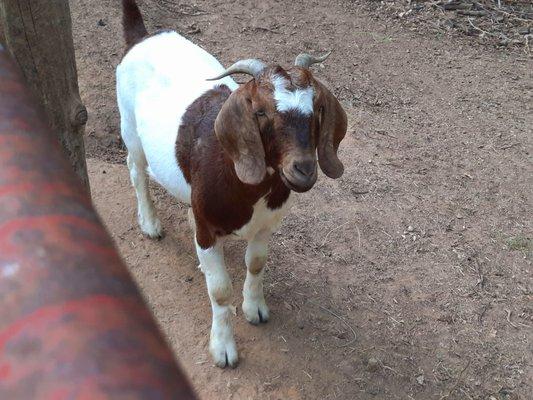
[
  {"x": 2, "y": 40},
  {"x": 38, "y": 33}
]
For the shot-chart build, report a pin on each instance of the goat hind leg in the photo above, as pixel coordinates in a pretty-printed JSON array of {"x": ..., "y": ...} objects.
[{"x": 147, "y": 215}]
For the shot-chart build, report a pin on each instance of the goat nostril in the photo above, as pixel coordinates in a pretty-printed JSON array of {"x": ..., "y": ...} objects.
[{"x": 306, "y": 169}]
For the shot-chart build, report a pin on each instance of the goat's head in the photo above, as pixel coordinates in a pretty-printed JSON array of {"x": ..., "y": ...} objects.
[{"x": 281, "y": 119}]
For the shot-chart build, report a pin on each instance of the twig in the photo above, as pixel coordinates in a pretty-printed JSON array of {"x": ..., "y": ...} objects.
[
  {"x": 481, "y": 277},
  {"x": 259, "y": 28},
  {"x": 509, "y": 319},
  {"x": 466, "y": 394},
  {"x": 333, "y": 230},
  {"x": 508, "y": 146},
  {"x": 390, "y": 368},
  {"x": 456, "y": 383},
  {"x": 343, "y": 321},
  {"x": 388, "y": 234},
  {"x": 358, "y": 235},
  {"x": 472, "y": 13},
  {"x": 384, "y": 133},
  {"x": 481, "y": 30},
  {"x": 488, "y": 7},
  {"x": 456, "y": 6},
  {"x": 192, "y": 14},
  {"x": 482, "y": 314}
]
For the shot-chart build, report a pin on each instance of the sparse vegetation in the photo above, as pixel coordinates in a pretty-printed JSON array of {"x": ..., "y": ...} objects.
[
  {"x": 507, "y": 23},
  {"x": 520, "y": 243}
]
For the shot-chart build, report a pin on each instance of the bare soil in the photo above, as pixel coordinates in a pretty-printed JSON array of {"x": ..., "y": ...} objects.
[{"x": 423, "y": 248}]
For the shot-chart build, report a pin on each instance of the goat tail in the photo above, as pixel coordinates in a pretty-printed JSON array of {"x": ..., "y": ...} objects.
[{"x": 133, "y": 23}]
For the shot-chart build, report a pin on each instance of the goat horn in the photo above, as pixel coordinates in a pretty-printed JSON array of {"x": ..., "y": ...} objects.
[
  {"x": 305, "y": 60},
  {"x": 251, "y": 66}
]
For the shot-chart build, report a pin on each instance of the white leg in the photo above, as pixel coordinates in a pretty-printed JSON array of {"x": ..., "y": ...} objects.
[
  {"x": 190, "y": 218},
  {"x": 146, "y": 213},
  {"x": 148, "y": 221},
  {"x": 222, "y": 343},
  {"x": 254, "y": 306}
]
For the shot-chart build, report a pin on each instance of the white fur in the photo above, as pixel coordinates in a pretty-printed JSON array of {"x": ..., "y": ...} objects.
[
  {"x": 300, "y": 100},
  {"x": 254, "y": 305},
  {"x": 222, "y": 344},
  {"x": 156, "y": 82},
  {"x": 263, "y": 218},
  {"x": 257, "y": 232},
  {"x": 146, "y": 213}
]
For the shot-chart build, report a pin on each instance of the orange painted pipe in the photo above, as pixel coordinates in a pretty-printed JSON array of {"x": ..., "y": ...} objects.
[{"x": 73, "y": 324}]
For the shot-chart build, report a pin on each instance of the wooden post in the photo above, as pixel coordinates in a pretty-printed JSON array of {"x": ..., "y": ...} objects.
[
  {"x": 38, "y": 33},
  {"x": 2, "y": 39}
]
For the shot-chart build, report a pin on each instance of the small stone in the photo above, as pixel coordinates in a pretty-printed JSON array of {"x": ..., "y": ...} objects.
[
  {"x": 189, "y": 279},
  {"x": 410, "y": 228},
  {"x": 373, "y": 364},
  {"x": 420, "y": 380}
]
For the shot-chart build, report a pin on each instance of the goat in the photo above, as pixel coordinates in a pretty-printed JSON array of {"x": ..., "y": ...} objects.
[{"x": 234, "y": 153}]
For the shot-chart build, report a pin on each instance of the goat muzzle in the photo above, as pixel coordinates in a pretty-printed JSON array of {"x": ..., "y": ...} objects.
[{"x": 300, "y": 175}]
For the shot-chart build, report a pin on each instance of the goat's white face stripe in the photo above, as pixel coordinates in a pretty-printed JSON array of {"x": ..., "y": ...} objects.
[{"x": 300, "y": 100}]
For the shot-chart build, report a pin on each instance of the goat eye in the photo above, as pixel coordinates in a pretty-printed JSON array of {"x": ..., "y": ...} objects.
[{"x": 260, "y": 113}]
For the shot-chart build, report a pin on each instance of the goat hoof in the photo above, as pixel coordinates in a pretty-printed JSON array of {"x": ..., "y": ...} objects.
[
  {"x": 225, "y": 354},
  {"x": 153, "y": 229},
  {"x": 256, "y": 312},
  {"x": 157, "y": 237}
]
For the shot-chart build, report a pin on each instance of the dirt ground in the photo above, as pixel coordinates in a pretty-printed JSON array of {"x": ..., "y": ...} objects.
[{"x": 423, "y": 248}]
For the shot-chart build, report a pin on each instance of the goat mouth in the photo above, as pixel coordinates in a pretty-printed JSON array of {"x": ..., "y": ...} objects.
[{"x": 296, "y": 184}]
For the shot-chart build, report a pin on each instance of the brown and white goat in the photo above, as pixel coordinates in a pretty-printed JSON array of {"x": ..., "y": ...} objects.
[{"x": 234, "y": 153}]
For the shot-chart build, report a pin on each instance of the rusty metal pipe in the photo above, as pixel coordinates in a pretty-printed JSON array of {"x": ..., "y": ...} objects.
[{"x": 72, "y": 322}]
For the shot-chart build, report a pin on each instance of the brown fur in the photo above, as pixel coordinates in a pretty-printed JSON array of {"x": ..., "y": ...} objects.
[
  {"x": 227, "y": 140},
  {"x": 256, "y": 265},
  {"x": 333, "y": 124},
  {"x": 133, "y": 24},
  {"x": 221, "y": 202}
]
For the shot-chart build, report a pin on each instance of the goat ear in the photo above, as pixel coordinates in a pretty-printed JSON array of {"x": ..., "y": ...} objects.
[
  {"x": 238, "y": 132},
  {"x": 332, "y": 129}
]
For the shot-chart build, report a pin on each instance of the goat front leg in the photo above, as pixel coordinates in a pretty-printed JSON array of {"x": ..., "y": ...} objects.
[
  {"x": 254, "y": 306},
  {"x": 222, "y": 343}
]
